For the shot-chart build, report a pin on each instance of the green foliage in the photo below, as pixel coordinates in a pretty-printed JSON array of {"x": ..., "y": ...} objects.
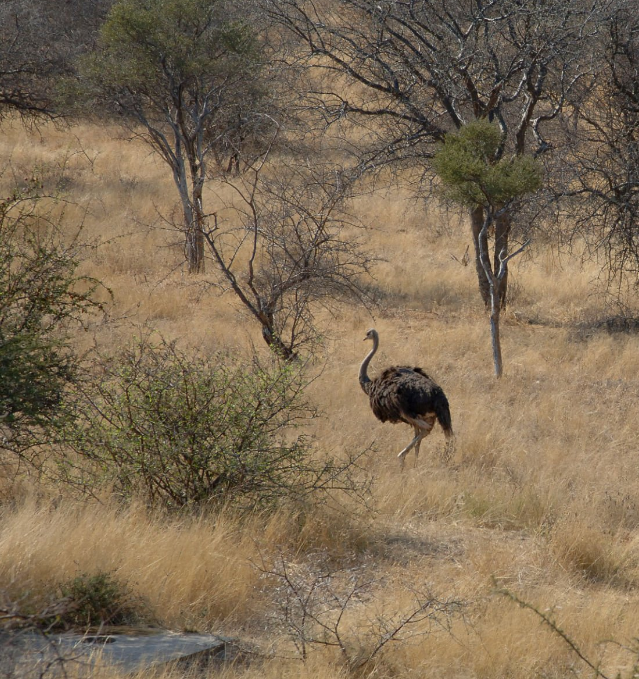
[
  {"x": 186, "y": 63},
  {"x": 472, "y": 174},
  {"x": 41, "y": 294},
  {"x": 182, "y": 429},
  {"x": 95, "y": 600},
  {"x": 146, "y": 42}
]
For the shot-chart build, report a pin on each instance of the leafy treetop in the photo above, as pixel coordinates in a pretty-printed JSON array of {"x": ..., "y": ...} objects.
[{"x": 468, "y": 166}]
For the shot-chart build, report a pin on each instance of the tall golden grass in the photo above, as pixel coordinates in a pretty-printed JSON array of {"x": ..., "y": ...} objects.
[{"x": 541, "y": 496}]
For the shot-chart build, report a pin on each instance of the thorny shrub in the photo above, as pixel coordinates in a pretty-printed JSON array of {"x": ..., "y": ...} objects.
[{"x": 184, "y": 429}]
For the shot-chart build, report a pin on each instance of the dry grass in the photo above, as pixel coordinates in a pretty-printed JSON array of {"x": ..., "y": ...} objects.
[
  {"x": 188, "y": 573},
  {"x": 542, "y": 493}
]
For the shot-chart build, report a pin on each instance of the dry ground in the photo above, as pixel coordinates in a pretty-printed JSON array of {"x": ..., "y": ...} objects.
[{"x": 541, "y": 496}]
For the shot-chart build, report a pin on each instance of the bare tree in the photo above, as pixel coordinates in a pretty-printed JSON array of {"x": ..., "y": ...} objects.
[
  {"x": 285, "y": 244},
  {"x": 316, "y": 606},
  {"x": 422, "y": 68},
  {"x": 603, "y": 188}
]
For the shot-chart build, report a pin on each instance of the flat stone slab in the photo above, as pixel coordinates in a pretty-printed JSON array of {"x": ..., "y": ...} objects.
[{"x": 126, "y": 652}]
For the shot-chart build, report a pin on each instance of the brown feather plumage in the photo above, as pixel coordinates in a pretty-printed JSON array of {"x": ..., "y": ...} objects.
[{"x": 406, "y": 390}]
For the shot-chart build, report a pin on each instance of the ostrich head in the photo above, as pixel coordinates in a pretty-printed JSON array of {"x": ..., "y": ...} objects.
[{"x": 371, "y": 335}]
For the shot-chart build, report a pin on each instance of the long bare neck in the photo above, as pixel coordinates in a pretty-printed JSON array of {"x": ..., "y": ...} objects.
[{"x": 364, "y": 379}]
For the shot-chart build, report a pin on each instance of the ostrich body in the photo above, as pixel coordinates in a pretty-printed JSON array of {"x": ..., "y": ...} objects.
[{"x": 405, "y": 394}]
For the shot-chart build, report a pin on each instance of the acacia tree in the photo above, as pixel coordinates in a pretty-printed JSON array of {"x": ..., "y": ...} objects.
[
  {"x": 285, "y": 244},
  {"x": 423, "y": 68},
  {"x": 184, "y": 76},
  {"x": 474, "y": 176}
]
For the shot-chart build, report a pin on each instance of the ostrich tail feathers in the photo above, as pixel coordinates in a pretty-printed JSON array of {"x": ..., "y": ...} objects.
[{"x": 442, "y": 412}]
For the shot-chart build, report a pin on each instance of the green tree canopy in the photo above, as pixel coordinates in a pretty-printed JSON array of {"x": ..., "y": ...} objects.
[
  {"x": 149, "y": 46},
  {"x": 473, "y": 173}
]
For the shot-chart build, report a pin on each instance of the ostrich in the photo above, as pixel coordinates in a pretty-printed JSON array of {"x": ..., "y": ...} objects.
[{"x": 405, "y": 394}]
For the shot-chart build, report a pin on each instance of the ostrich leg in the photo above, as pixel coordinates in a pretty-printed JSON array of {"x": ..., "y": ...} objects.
[
  {"x": 425, "y": 428},
  {"x": 422, "y": 429},
  {"x": 415, "y": 442}
]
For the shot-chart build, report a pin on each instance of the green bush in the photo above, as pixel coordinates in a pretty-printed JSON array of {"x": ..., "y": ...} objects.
[
  {"x": 95, "y": 600},
  {"x": 181, "y": 428},
  {"x": 41, "y": 295}
]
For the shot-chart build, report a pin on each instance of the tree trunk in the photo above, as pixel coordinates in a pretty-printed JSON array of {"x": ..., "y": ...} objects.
[
  {"x": 193, "y": 218},
  {"x": 494, "y": 279},
  {"x": 276, "y": 345},
  {"x": 193, "y": 238},
  {"x": 495, "y": 312},
  {"x": 480, "y": 241},
  {"x": 195, "y": 232},
  {"x": 502, "y": 226},
  {"x": 269, "y": 334},
  {"x": 194, "y": 248},
  {"x": 502, "y": 234}
]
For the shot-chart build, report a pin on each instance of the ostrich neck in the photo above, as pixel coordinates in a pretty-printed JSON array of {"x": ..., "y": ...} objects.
[{"x": 364, "y": 379}]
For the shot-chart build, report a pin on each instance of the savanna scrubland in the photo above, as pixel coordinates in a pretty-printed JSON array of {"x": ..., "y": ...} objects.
[{"x": 540, "y": 498}]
